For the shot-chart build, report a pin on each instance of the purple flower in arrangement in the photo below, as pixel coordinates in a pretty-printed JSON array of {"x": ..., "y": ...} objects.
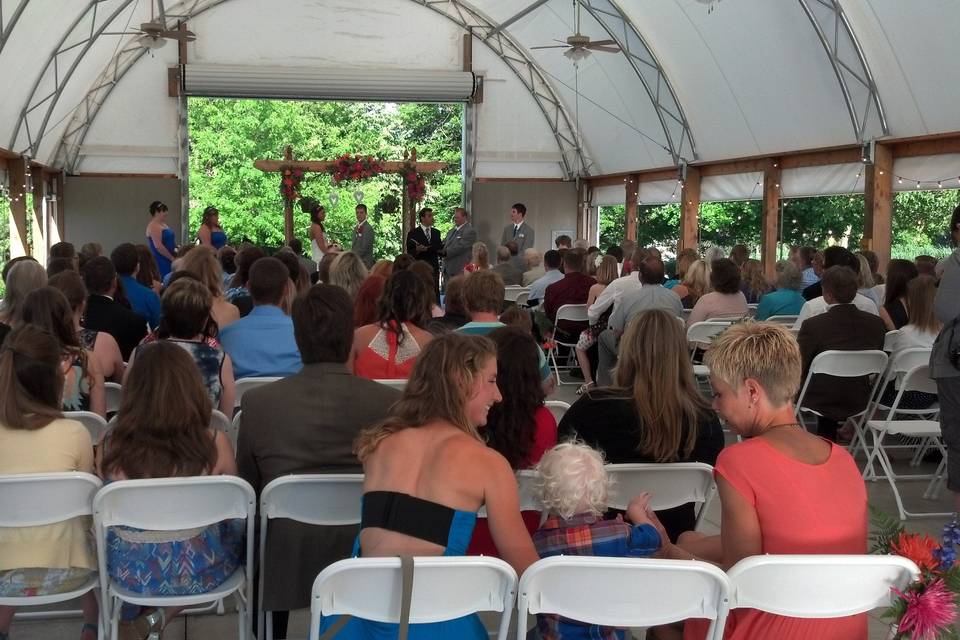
[{"x": 946, "y": 555}]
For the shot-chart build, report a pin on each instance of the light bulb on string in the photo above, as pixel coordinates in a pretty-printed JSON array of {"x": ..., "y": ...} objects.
[
  {"x": 939, "y": 185},
  {"x": 918, "y": 184},
  {"x": 899, "y": 180}
]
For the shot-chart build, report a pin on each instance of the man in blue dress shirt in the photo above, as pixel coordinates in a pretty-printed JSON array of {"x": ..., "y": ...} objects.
[
  {"x": 262, "y": 343},
  {"x": 143, "y": 300}
]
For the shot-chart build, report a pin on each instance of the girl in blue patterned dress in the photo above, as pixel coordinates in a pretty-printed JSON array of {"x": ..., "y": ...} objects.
[{"x": 162, "y": 431}]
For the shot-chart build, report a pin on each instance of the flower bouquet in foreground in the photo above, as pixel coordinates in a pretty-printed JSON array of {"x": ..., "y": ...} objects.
[{"x": 926, "y": 609}]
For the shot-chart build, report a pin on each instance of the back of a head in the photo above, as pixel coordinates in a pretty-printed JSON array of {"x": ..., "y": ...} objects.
[
  {"x": 571, "y": 479},
  {"x": 382, "y": 268},
  {"x": 739, "y": 254},
  {"x": 269, "y": 279},
  {"x": 406, "y": 297},
  {"x": 367, "y": 300},
  {"x": 639, "y": 255},
  {"x": 872, "y": 260},
  {"x": 291, "y": 262},
  {"x": 99, "y": 275},
  {"x": 70, "y": 284},
  {"x": 864, "y": 274},
  {"x": 513, "y": 248},
  {"x": 348, "y": 272},
  {"x": 246, "y": 258},
  {"x": 503, "y": 255},
  {"x": 806, "y": 255},
  {"x": 532, "y": 258},
  {"x": 323, "y": 267},
  {"x": 185, "y": 310},
  {"x": 724, "y": 276},
  {"x": 24, "y": 277},
  {"x": 840, "y": 284},
  {"x": 926, "y": 265},
  {"x": 59, "y": 265},
  {"x": 684, "y": 259},
  {"x": 62, "y": 250},
  {"x": 162, "y": 427},
  {"x": 480, "y": 255},
  {"x": 563, "y": 240},
  {"x": 616, "y": 252},
  {"x": 920, "y": 295},
  {"x": 12, "y": 262},
  {"x": 840, "y": 256},
  {"x": 574, "y": 261},
  {"x": 91, "y": 250},
  {"x": 606, "y": 270},
  {"x": 899, "y": 274},
  {"x": 453, "y": 298},
  {"x": 403, "y": 261},
  {"x": 149, "y": 271},
  {"x": 424, "y": 270},
  {"x": 483, "y": 292},
  {"x": 48, "y": 309},
  {"x": 125, "y": 259},
  {"x": 552, "y": 259},
  {"x": 202, "y": 262},
  {"x": 228, "y": 259},
  {"x": 651, "y": 271},
  {"x": 762, "y": 351},
  {"x": 31, "y": 380},
  {"x": 323, "y": 324},
  {"x": 296, "y": 246},
  {"x": 712, "y": 254},
  {"x": 788, "y": 276}
]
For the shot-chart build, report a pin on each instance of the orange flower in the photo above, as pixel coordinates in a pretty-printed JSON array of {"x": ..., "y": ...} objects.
[{"x": 918, "y": 548}]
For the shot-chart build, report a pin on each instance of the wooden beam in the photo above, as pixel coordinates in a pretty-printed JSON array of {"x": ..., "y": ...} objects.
[
  {"x": 926, "y": 147},
  {"x": 582, "y": 190},
  {"x": 287, "y": 204},
  {"x": 155, "y": 176},
  {"x": 730, "y": 168},
  {"x": 878, "y": 205},
  {"x": 770, "y": 217},
  {"x": 631, "y": 199},
  {"x": 38, "y": 227},
  {"x": 274, "y": 166},
  {"x": 17, "y": 169},
  {"x": 519, "y": 180},
  {"x": 690, "y": 210}
]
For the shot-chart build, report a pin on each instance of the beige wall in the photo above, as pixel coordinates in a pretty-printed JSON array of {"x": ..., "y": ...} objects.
[
  {"x": 112, "y": 211},
  {"x": 550, "y": 205}
]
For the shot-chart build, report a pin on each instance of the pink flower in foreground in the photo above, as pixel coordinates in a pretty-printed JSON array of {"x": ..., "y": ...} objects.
[{"x": 928, "y": 611}]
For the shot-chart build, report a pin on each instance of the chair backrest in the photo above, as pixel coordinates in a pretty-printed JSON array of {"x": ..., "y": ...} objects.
[
  {"x": 320, "y": 499},
  {"x": 221, "y": 422},
  {"x": 706, "y": 331},
  {"x": 444, "y": 588},
  {"x": 917, "y": 379},
  {"x": 818, "y": 586},
  {"x": 114, "y": 394},
  {"x": 890, "y": 340},
  {"x": 907, "y": 359},
  {"x": 233, "y": 433},
  {"x": 670, "y": 484},
  {"x": 399, "y": 384},
  {"x": 558, "y": 408},
  {"x": 511, "y": 292},
  {"x": 94, "y": 423},
  {"x": 573, "y": 312},
  {"x": 245, "y": 384},
  {"x": 846, "y": 364},
  {"x": 785, "y": 319},
  {"x": 37, "y": 499},
  {"x": 526, "y": 491},
  {"x": 624, "y": 592},
  {"x": 522, "y": 298}
]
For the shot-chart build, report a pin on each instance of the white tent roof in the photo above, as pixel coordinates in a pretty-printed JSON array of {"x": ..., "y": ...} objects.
[{"x": 750, "y": 77}]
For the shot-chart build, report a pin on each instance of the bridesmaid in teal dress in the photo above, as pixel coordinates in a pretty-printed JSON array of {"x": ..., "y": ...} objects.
[
  {"x": 427, "y": 473},
  {"x": 210, "y": 233},
  {"x": 160, "y": 238}
]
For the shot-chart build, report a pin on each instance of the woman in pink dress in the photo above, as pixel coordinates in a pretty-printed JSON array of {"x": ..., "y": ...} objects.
[{"x": 783, "y": 490}]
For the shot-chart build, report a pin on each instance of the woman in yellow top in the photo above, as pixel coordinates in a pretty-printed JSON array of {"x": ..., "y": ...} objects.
[{"x": 35, "y": 438}]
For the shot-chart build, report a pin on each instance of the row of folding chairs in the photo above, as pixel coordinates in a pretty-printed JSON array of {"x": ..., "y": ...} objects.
[{"x": 619, "y": 592}]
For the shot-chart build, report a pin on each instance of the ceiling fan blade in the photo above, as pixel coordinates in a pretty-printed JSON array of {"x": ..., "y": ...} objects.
[
  {"x": 594, "y": 47},
  {"x": 186, "y": 36},
  {"x": 603, "y": 42},
  {"x": 553, "y": 46}
]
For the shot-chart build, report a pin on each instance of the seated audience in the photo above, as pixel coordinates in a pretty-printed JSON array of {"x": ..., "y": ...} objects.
[
  {"x": 348, "y": 272},
  {"x": 482, "y": 298},
  {"x": 684, "y": 259},
  {"x": 382, "y": 268},
  {"x": 35, "y": 438},
  {"x": 262, "y": 344},
  {"x": 238, "y": 292},
  {"x": 782, "y": 489},
  {"x": 298, "y": 275},
  {"x": 26, "y": 275},
  {"x": 163, "y": 430},
  {"x": 187, "y": 323},
  {"x": 64, "y": 250},
  {"x": 104, "y": 347},
  {"x": 753, "y": 283},
  {"x": 865, "y": 283},
  {"x": 367, "y": 300},
  {"x": 227, "y": 256},
  {"x": 143, "y": 300},
  {"x": 424, "y": 270},
  {"x": 574, "y": 288},
  {"x": 726, "y": 300},
  {"x": 506, "y": 268},
  {"x": 739, "y": 254},
  {"x": 479, "y": 258},
  {"x": 307, "y": 423},
  {"x": 833, "y": 256},
  {"x": 894, "y": 310},
  {"x": 923, "y": 326},
  {"x": 573, "y": 485},
  {"x": 59, "y": 265},
  {"x": 628, "y": 247},
  {"x": 805, "y": 264},
  {"x": 694, "y": 284},
  {"x": 426, "y": 464},
  {"x": 653, "y": 412},
  {"x": 323, "y": 267},
  {"x": 874, "y": 263},
  {"x": 454, "y": 313},
  {"x": 614, "y": 292},
  {"x": 402, "y": 262},
  {"x": 388, "y": 348},
  {"x": 786, "y": 299},
  {"x": 203, "y": 264},
  {"x": 104, "y": 313},
  {"x": 551, "y": 263},
  {"x": 563, "y": 241},
  {"x": 823, "y": 260},
  {"x": 297, "y": 247},
  {"x": 87, "y": 252},
  {"x": 843, "y": 327},
  {"x": 83, "y": 388},
  {"x": 926, "y": 265},
  {"x": 532, "y": 260},
  {"x": 149, "y": 273},
  {"x": 606, "y": 273}
]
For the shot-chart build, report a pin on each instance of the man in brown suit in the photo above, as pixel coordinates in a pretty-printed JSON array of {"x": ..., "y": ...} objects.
[
  {"x": 844, "y": 328},
  {"x": 307, "y": 423}
]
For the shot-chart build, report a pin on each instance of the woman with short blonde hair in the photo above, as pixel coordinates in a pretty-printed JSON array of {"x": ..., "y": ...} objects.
[
  {"x": 695, "y": 283},
  {"x": 479, "y": 258}
]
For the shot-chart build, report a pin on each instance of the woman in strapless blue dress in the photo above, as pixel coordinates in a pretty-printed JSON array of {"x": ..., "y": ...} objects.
[
  {"x": 210, "y": 233},
  {"x": 427, "y": 464},
  {"x": 160, "y": 238}
]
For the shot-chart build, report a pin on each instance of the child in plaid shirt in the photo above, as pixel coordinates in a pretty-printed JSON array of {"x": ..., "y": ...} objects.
[{"x": 573, "y": 487}]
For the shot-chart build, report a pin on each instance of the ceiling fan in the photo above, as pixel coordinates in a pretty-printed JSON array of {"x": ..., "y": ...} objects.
[
  {"x": 154, "y": 34},
  {"x": 578, "y": 46}
]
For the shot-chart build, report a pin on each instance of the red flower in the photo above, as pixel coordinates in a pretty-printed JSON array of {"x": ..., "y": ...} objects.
[
  {"x": 918, "y": 548},
  {"x": 288, "y": 182}
]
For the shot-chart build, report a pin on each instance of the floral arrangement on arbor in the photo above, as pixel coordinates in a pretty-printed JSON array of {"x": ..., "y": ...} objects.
[
  {"x": 355, "y": 167},
  {"x": 413, "y": 182},
  {"x": 926, "y": 609},
  {"x": 290, "y": 183}
]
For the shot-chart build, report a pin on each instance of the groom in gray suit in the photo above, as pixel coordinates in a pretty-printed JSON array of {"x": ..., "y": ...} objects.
[
  {"x": 362, "y": 244},
  {"x": 518, "y": 230},
  {"x": 458, "y": 245}
]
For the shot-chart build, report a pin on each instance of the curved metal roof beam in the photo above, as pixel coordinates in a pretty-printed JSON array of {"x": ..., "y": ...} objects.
[
  {"x": 850, "y": 66},
  {"x": 469, "y": 19},
  {"x": 8, "y": 23},
  {"x": 676, "y": 128}
]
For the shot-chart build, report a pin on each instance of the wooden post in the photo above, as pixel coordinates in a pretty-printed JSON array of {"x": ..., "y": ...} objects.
[
  {"x": 878, "y": 204},
  {"x": 631, "y": 195},
  {"x": 17, "y": 168},
  {"x": 288, "y": 204},
  {"x": 59, "y": 210},
  {"x": 690, "y": 210},
  {"x": 38, "y": 220},
  {"x": 770, "y": 218},
  {"x": 582, "y": 189}
]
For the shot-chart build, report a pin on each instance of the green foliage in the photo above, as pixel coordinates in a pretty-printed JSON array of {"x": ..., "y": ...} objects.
[
  {"x": 884, "y": 530},
  {"x": 227, "y": 135}
]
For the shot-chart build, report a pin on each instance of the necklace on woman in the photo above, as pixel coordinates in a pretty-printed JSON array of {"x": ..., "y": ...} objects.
[{"x": 785, "y": 424}]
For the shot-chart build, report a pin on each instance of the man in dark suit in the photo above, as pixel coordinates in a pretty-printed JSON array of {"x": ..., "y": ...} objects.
[
  {"x": 458, "y": 245},
  {"x": 106, "y": 314},
  {"x": 844, "y": 328},
  {"x": 424, "y": 243},
  {"x": 306, "y": 423}
]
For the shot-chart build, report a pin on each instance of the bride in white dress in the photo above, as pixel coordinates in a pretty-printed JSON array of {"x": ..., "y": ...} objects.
[{"x": 318, "y": 236}]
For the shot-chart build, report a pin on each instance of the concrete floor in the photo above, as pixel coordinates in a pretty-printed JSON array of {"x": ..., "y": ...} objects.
[{"x": 224, "y": 627}]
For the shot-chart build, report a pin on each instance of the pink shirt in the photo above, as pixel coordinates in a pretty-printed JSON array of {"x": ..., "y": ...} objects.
[{"x": 718, "y": 305}]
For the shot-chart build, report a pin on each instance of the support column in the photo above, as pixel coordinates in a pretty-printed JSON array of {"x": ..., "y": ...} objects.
[
  {"x": 287, "y": 204},
  {"x": 17, "y": 168},
  {"x": 770, "y": 217},
  {"x": 57, "y": 222},
  {"x": 690, "y": 210},
  {"x": 878, "y": 201},
  {"x": 38, "y": 220},
  {"x": 632, "y": 193}
]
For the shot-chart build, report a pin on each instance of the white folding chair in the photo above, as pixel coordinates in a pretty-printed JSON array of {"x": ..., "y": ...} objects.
[
  {"x": 752, "y": 309},
  {"x": 890, "y": 340},
  {"x": 522, "y": 298},
  {"x": 784, "y": 319},
  {"x": 572, "y": 313},
  {"x": 818, "y": 586},
  {"x": 318, "y": 499},
  {"x": 624, "y": 592},
  {"x": 844, "y": 364},
  {"x": 170, "y": 504},
  {"x": 94, "y": 423},
  {"x": 399, "y": 384},
  {"x": 917, "y": 379},
  {"x": 38, "y": 499},
  {"x": 221, "y": 422},
  {"x": 558, "y": 408},
  {"x": 704, "y": 333},
  {"x": 512, "y": 292},
  {"x": 245, "y": 384},
  {"x": 114, "y": 393},
  {"x": 444, "y": 588},
  {"x": 526, "y": 485},
  {"x": 670, "y": 485},
  {"x": 233, "y": 433}
]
